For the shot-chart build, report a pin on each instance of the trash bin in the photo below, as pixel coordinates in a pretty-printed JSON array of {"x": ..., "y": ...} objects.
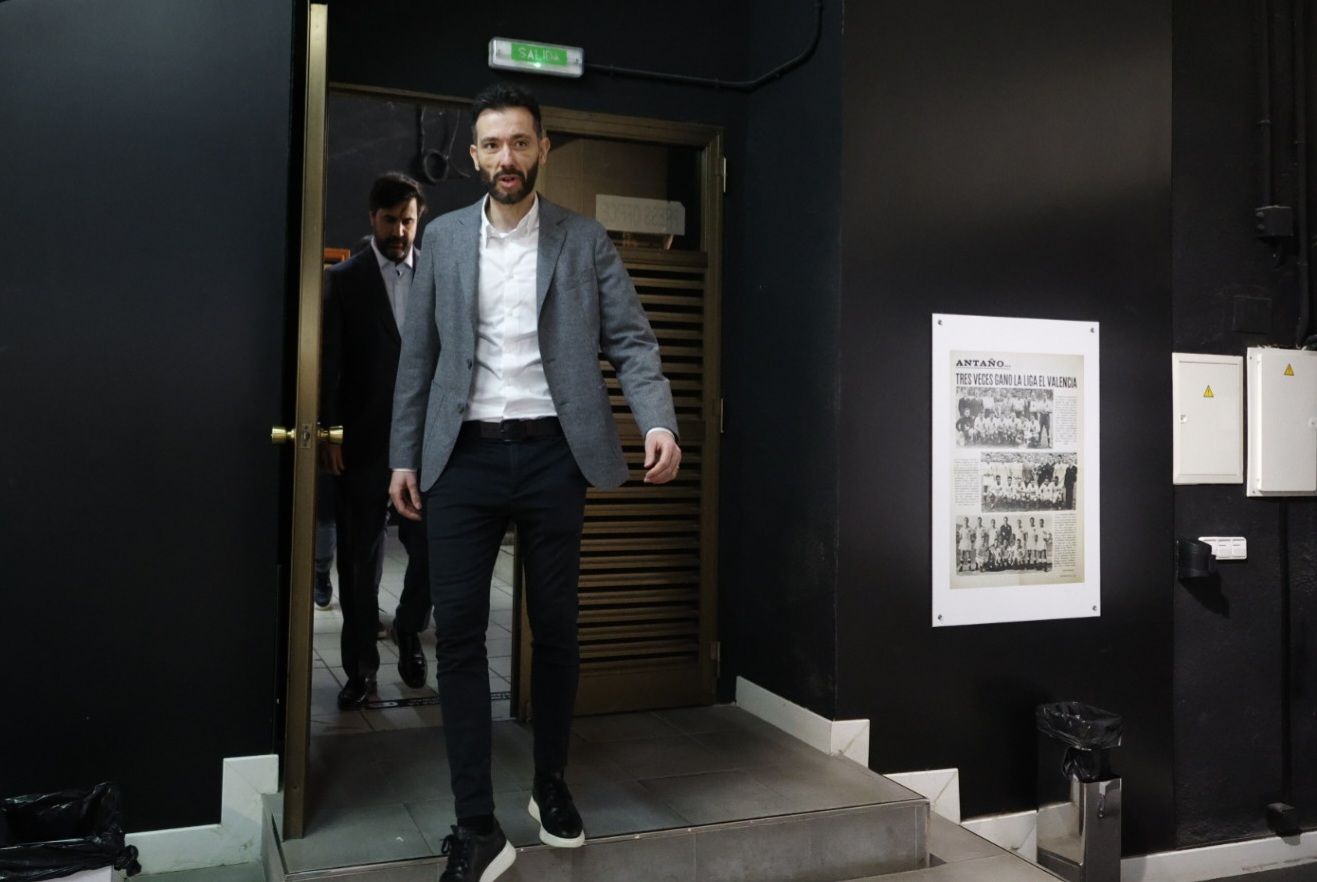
[
  {"x": 52, "y": 835},
  {"x": 1078, "y": 793}
]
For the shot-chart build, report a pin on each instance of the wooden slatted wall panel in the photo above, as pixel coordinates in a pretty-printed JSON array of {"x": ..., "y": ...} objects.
[{"x": 645, "y": 576}]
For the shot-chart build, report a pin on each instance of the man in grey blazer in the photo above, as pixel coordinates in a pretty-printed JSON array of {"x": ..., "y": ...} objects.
[{"x": 501, "y": 413}]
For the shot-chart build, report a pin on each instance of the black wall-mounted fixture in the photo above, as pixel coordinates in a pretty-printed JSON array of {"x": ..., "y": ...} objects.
[
  {"x": 1193, "y": 559},
  {"x": 1283, "y": 819}
]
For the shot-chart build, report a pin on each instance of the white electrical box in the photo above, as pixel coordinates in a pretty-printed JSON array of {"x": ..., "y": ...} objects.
[
  {"x": 1208, "y": 401},
  {"x": 1227, "y": 547},
  {"x": 1282, "y": 422}
]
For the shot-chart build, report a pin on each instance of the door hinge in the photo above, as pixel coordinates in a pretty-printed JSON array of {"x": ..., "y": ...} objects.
[
  {"x": 722, "y": 416},
  {"x": 724, "y": 174}
]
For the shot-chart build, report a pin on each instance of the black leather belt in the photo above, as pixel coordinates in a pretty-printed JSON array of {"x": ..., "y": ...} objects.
[{"x": 512, "y": 430}]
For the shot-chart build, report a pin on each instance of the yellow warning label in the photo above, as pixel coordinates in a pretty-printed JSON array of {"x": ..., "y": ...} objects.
[
  {"x": 1289, "y": 370},
  {"x": 1208, "y": 393}
]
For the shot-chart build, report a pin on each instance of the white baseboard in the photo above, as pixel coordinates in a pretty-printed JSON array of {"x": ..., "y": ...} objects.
[
  {"x": 848, "y": 738},
  {"x": 104, "y": 874},
  {"x": 1014, "y": 831},
  {"x": 941, "y": 787},
  {"x": 1222, "y": 861},
  {"x": 236, "y": 839}
]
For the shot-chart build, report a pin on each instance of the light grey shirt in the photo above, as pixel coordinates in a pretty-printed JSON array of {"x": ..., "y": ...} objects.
[{"x": 397, "y": 280}]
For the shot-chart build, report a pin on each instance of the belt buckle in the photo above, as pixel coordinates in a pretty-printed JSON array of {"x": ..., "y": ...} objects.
[{"x": 511, "y": 430}]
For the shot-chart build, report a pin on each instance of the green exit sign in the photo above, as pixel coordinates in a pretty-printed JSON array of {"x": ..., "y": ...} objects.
[
  {"x": 545, "y": 58},
  {"x": 535, "y": 53}
]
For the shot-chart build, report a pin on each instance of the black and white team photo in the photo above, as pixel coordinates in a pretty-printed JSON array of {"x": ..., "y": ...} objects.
[
  {"x": 1004, "y": 417},
  {"x": 1026, "y": 482},
  {"x": 987, "y": 544}
]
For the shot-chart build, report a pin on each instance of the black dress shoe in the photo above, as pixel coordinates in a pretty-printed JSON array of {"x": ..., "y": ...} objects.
[
  {"x": 551, "y": 804},
  {"x": 356, "y": 692},
  {"x": 324, "y": 591},
  {"x": 411, "y": 658},
  {"x": 476, "y": 858}
]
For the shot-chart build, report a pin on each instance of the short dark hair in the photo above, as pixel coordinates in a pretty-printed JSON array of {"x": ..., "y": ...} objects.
[
  {"x": 394, "y": 188},
  {"x": 500, "y": 96}
]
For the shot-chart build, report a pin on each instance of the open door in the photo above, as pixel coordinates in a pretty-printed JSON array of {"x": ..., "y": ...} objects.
[
  {"x": 649, "y": 565},
  {"x": 304, "y": 435}
]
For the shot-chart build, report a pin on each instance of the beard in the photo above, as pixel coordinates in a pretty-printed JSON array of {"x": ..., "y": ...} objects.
[
  {"x": 393, "y": 248},
  {"x": 515, "y": 196}
]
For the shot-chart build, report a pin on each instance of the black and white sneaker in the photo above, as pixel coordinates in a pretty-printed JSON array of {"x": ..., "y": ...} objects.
[
  {"x": 551, "y": 804},
  {"x": 476, "y": 858}
]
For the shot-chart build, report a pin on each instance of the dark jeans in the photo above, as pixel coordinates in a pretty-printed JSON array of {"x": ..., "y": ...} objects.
[
  {"x": 361, "y": 518},
  {"x": 537, "y": 485},
  {"x": 325, "y": 529}
]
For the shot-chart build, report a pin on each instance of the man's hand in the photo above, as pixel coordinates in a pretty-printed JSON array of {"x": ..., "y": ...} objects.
[
  {"x": 406, "y": 494},
  {"x": 662, "y": 457},
  {"x": 332, "y": 457}
]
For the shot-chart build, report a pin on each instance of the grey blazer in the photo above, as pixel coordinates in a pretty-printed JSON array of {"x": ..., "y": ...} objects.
[{"x": 586, "y": 304}]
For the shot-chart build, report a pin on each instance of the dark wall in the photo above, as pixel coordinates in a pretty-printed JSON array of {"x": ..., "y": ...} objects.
[
  {"x": 367, "y": 134},
  {"x": 1232, "y": 706},
  {"x": 1005, "y": 160},
  {"x": 779, "y": 463},
  {"x": 144, "y": 241},
  {"x": 443, "y": 49}
]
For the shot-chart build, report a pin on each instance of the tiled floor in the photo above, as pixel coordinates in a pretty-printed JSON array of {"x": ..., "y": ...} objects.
[
  {"x": 384, "y": 795},
  {"x": 327, "y": 675}
]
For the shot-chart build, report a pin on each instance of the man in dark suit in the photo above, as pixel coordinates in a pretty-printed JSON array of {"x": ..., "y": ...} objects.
[
  {"x": 365, "y": 301},
  {"x": 501, "y": 413}
]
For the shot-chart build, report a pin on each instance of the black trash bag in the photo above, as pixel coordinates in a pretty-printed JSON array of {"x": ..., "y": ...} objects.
[
  {"x": 1087, "y": 765},
  {"x": 45, "y": 836},
  {"x": 1088, "y": 732}
]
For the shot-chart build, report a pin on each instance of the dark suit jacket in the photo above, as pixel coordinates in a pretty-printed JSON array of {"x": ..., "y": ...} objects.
[{"x": 359, "y": 362}]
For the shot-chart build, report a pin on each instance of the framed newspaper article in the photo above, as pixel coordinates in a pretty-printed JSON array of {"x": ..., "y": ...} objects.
[{"x": 1015, "y": 470}]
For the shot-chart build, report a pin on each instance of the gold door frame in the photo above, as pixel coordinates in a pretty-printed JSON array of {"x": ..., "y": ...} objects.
[
  {"x": 708, "y": 139},
  {"x": 297, "y": 721}
]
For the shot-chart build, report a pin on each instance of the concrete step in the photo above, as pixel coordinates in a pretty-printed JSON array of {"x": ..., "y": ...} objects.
[
  {"x": 819, "y": 846},
  {"x": 707, "y": 795},
  {"x": 957, "y": 855}
]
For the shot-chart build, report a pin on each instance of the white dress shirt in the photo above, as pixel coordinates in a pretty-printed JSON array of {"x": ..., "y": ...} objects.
[
  {"x": 397, "y": 280},
  {"x": 509, "y": 381}
]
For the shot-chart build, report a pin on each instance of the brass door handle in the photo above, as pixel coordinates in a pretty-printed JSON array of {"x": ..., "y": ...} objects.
[{"x": 332, "y": 435}]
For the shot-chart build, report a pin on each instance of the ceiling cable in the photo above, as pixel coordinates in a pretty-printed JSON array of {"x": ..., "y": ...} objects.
[{"x": 713, "y": 82}]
